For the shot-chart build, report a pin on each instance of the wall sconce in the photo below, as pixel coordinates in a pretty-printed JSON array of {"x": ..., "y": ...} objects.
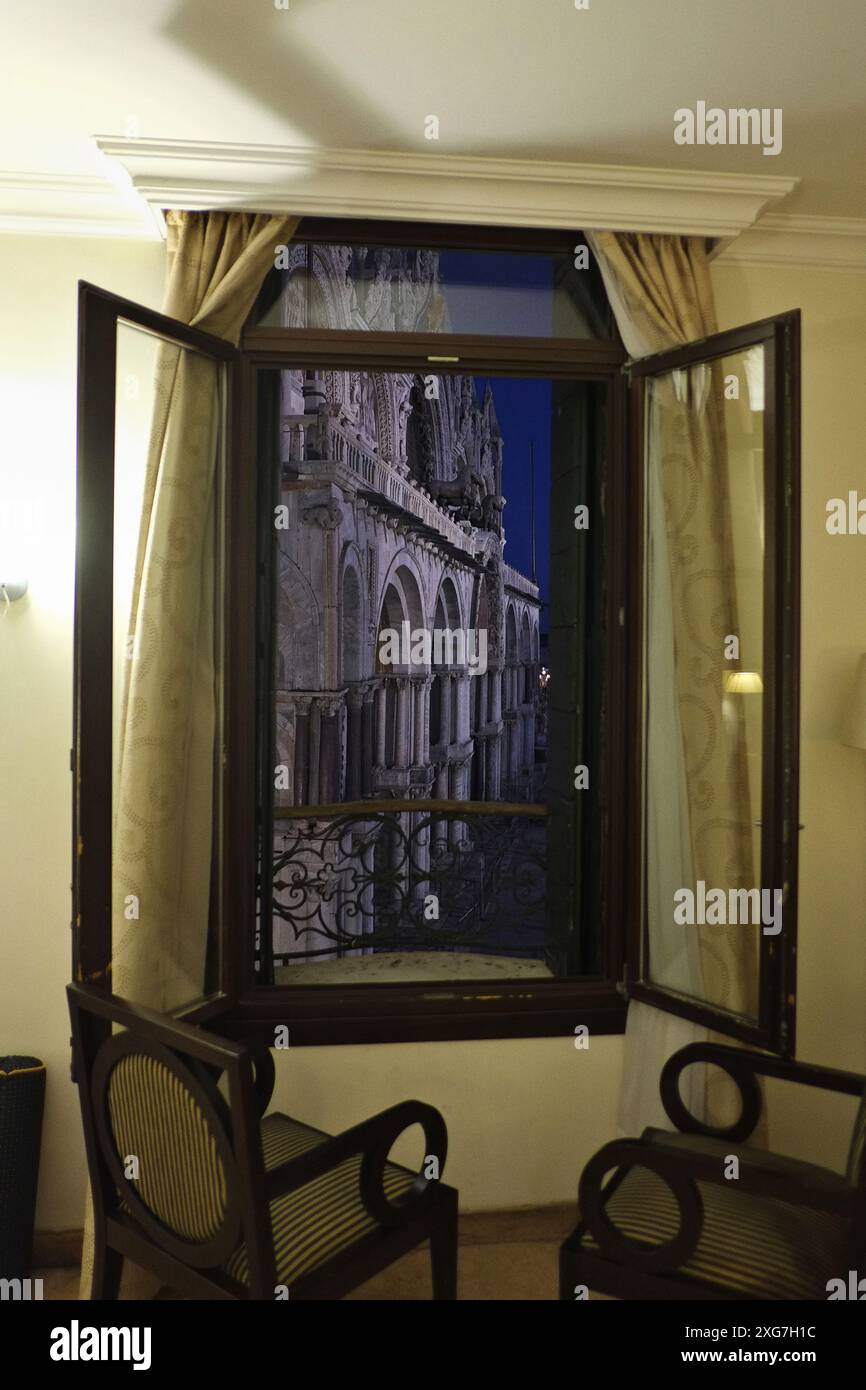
[
  {"x": 743, "y": 683},
  {"x": 10, "y": 591},
  {"x": 854, "y": 730}
]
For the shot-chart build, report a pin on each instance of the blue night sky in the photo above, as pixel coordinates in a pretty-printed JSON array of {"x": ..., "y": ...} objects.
[
  {"x": 513, "y": 294},
  {"x": 523, "y": 406}
]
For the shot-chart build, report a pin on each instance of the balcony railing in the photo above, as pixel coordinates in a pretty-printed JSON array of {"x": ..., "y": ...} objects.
[{"x": 369, "y": 876}]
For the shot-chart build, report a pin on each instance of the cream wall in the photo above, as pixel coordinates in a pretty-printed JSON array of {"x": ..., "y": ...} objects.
[
  {"x": 523, "y": 1116},
  {"x": 831, "y": 1007},
  {"x": 38, "y": 279}
]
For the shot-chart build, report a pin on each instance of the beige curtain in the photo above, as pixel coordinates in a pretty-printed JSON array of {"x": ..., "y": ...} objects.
[
  {"x": 165, "y": 780},
  {"x": 699, "y": 814}
]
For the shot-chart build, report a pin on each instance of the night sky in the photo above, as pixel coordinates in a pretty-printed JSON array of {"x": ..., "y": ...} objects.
[
  {"x": 513, "y": 294},
  {"x": 523, "y": 407}
]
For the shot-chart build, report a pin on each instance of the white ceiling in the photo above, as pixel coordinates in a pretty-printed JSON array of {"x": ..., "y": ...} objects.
[{"x": 525, "y": 79}]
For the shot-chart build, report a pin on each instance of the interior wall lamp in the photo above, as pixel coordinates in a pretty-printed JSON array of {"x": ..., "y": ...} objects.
[{"x": 10, "y": 591}]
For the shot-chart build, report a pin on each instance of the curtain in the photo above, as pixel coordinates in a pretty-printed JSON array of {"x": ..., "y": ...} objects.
[
  {"x": 165, "y": 777},
  {"x": 698, "y": 812}
]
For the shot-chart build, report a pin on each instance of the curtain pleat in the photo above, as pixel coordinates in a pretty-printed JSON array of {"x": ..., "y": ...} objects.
[
  {"x": 164, "y": 811},
  {"x": 699, "y": 821}
]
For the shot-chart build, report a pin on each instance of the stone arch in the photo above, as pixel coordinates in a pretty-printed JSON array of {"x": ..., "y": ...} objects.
[
  {"x": 401, "y": 602},
  {"x": 526, "y": 656},
  {"x": 352, "y": 619},
  {"x": 329, "y": 291},
  {"x": 299, "y": 652},
  {"x": 404, "y": 574},
  {"x": 525, "y": 637},
  {"x": 510, "y": 635},
  {"x": 448, "y": 608}
]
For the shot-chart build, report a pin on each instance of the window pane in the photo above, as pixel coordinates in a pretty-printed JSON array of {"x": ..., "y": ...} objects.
[
  {"x": 391, "y": 289},
  {"x": 428, "y": 610},
  {"x": 167, "y": 675},
  {"x": 705, "y": 632}
]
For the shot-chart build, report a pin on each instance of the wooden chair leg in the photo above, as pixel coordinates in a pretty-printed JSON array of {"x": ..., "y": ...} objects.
[
  {"x": 567, "y": 1274},
  {"x": 107, "y": 1271},
  {"x": 443, "y": 1254}
]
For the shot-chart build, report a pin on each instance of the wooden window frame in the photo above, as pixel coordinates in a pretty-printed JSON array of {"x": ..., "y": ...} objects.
[
  {"x": 427, "y": 1011},
  {"x": 779, "y": 336},
  {"x": 411, "y": 1011}
]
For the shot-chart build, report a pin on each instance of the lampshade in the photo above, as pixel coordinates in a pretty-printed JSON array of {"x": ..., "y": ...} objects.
[
  {"x": 743, "y": 683},
  {"x": 854, "y": 730}
]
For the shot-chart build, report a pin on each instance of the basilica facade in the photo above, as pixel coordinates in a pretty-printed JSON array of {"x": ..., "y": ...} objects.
[{"x": 390, "y": 519}]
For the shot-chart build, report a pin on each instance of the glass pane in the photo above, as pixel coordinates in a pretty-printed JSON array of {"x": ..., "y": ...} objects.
[
  {"x": 420, "y": 622},
  {"x": 169, "y": 432},
  {"x": 391, "y": 289},
  {"x": 706, "y": 906}
]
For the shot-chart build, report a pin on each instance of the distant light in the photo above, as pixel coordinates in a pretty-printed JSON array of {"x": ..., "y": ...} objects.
[{"x": 743, "y": 683}]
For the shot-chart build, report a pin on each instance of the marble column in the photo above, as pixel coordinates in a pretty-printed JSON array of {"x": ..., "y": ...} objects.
[
  {"x": 495, "y": 783},
  {"x": 367, "y": 739},
  {"x": 446, "y": 734},
  {"x": 495, "y": 696},
  {"x": 463, "y": 680},
  {"x": 490, "y": 768},
  {"x": 419, "y": 684},
  {"x": 354, "y": 742},
  {"x": 402, "y": 740},
  {"x": 330, "y": 747},
  {"x": 302, "y": 750},
  {"x": 381, "y": 722},
  {"x": 482, "y": 685}
]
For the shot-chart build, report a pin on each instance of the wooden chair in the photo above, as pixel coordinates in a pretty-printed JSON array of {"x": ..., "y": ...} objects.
[
  {"x": 222, "y": 1201},
  {"x": 673, "y": 1224}
]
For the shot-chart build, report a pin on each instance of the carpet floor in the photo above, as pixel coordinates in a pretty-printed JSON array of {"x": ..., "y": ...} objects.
[{"x": 503, "y": 1256}]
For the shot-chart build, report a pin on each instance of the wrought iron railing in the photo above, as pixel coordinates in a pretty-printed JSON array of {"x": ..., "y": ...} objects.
[{"x": 369, "y": 876}]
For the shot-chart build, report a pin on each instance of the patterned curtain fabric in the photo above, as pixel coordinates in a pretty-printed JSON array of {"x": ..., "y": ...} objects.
[
  {"x": 699, "y": 816},
  {"x": 164, "y": 807}
]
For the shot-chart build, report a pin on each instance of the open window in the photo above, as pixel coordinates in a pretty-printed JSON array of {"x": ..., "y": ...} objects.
[
  {"x": 631, "y": 740},
  {"x": 715, "y": 719},
  {"x": 151, "y": 652}
]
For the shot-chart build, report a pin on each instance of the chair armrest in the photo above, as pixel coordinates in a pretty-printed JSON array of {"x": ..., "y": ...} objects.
[
  {"x": 373, "y": 1140},
  {"x": 265, "y": 1076},
  {"x": 760, "y": 1173},
  {"x": 681, "y": 1165},
  {"x": 744, "y": 1067}
]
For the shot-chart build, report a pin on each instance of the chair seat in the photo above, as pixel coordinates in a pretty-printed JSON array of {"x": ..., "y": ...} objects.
[
  {"x": 756, "y": 1246},
  {"x": 320, "y": 1219}
]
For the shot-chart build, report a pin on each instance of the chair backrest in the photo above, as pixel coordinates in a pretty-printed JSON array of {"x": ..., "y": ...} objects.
[{"x": 162, "y": 1142}]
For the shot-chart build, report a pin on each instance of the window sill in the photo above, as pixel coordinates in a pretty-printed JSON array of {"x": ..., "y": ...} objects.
[{"x": 319, "y": 1015}]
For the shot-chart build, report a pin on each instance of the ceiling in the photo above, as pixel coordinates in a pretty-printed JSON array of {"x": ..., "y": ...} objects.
[{"x": 522, "y": 79}]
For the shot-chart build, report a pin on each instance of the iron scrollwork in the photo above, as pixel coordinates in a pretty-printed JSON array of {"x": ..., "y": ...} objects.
[{"x": 386, "y": 879}]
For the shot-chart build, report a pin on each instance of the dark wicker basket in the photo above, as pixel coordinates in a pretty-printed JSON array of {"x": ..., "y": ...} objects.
[{"x": 22, "y": 1098}]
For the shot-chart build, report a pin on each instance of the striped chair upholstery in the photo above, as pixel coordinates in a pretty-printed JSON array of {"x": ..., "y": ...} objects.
[
  {"x": 154, "y": 1117},
  {"x": 318, "y": 1220},
  {"x": 759, "y": 1247}
]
